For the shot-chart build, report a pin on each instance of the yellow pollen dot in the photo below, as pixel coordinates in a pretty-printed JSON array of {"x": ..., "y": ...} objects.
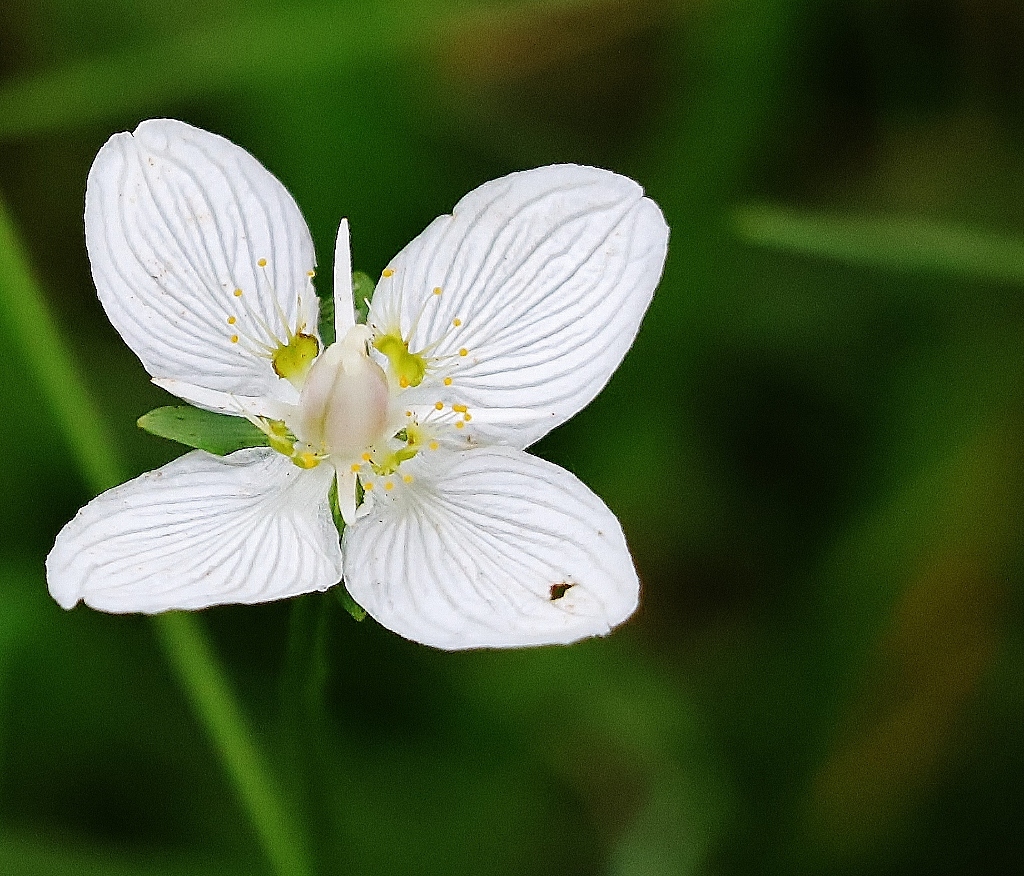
[
  {"x": 408, "y": 413},
  {"x": 232, "y": 320},
  {"x": 437, "y": 290},
  {"x": 456, "y": 322},
  {"x": 388, "y": 485},
  {"x": 407, "y": 478},
  {"x": 459, "y": 409},
  {"x": 434, "y": 445},
  {"x": 356, "y": 466},
  {"x": 311, "y": 274},
  {"x": 368, "y": 485},
  {"x": 463, "y": 352},
  {"x": 387, "y": 272},
  {"x": 439, "y": 405},
  {"x": 403, "y": 381},
  {"x": 447, "y": 381},
  {"x": 367, "y": 457},
  {"x": 262, "y": 263},
  {"x": 234, "y": 339},
  {"x": 460, "y": 425},
  {"x": 467, "y": 417},
  {"x": 238, "y": 293}
]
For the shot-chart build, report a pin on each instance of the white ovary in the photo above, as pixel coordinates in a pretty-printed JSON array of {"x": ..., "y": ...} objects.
[{"x": 344, "y": 402}]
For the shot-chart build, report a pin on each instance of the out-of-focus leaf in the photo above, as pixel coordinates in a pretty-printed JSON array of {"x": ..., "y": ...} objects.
[
  {"x": 247, "y": 51},
  {"x": 901, "y": 244},
  {"x": 31, "y": 856},
  {"x": 205, "y": 430}
]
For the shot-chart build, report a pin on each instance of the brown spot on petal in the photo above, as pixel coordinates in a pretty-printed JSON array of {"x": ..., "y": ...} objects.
[{"x": 559, "y": 590}]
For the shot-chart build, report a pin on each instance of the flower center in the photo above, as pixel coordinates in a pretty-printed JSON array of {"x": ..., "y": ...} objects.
[{"x": 344, "y": 402}]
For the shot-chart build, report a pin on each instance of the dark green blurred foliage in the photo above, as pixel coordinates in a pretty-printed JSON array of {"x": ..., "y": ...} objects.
[{"x": 814, "y": 446}]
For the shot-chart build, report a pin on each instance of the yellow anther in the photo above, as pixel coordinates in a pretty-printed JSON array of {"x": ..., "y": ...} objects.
[
  {"x": 368, "y": 485},
  {"x": 306, "y": 459},
  {"x": 238, "y": 293},
  {"x": 460, "y": 425},
  {"x": 403, "y": 382},
  {"x": 434, "y": 445},
  {"x": 234, "y": 339},
  {"x": 463, "y": 352},
  {"x": 232, "y": 320},
  {"x": 367, "y": 457},
  {"x": 459, "y": 409},
  {"x": 447, "y": 381},
  {"x": 356, "y": 466},
  {"x": 387, "y": 272},
  {"x": 439, "y": 406},
  {"x": 311, "y": 274},
  {"x": 456, "y": 322},
  {"x": 437, "y": 290},
  {"x": 408, "y": 413},
  {"x": 407, "y": 478},
  {"x": 262, "y": 263},
  {"x": 467, "y": 417},
  {"x": 388, "y": 485}
]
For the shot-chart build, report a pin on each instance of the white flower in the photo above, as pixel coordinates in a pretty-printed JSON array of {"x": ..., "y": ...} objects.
[{"x": 496, "y": 324}]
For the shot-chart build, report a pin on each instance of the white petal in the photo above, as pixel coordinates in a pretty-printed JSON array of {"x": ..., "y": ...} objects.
[
  {"x": 490, "y": 548},
  {"x": 203, "y": 530},
  {"x": 344, "y": 315},
  {"x": 177, "y": 220},
  {"x": 549, "y": 272},
  {"x": 279, "y": 406}
]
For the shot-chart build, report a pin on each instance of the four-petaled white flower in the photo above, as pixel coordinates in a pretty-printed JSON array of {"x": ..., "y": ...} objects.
[{"x": 496, "y": 324}]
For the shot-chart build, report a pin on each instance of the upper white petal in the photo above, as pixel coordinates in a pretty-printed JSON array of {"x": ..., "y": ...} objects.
[
  {"x": 344, "y": 315},
  {"x": 550, "y": 272},
  {"x": 177, "y": 219},
  {"x": 202, "y": 530},
  {"x": 490, "y": 548}
]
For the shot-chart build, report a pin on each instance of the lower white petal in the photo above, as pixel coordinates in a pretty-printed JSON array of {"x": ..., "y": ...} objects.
[
  {"x": 202, "y": 530},
  {"x": 490, "y": 548}
]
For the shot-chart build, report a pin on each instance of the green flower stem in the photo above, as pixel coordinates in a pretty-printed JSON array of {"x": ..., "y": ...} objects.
[
  {"x": 46, "y": 358},
  {"x": 190, "y": 655}
]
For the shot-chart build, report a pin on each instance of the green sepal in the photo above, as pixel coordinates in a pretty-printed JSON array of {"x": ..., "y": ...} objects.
[
  {"x": 205, "y": 430},
  {"x": 344, "y": 597},
  {"x": 362, "y": 292},
  {"x": 325, "y": 322}
]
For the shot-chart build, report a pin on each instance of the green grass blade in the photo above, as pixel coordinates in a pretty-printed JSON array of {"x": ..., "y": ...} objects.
[
  {"x": 891, "y": 243},
  {"x": 46, "y": 361},
  {"x": 44, "y": 358}
]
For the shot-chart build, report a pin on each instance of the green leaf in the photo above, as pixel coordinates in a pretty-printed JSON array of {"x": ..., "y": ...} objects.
[
  {"x": 903, "y": 244},
  {"x": 205, "y": 430}
]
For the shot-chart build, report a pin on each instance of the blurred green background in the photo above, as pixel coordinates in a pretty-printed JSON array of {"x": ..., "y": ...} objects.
[{"x": 814, "y": 446}]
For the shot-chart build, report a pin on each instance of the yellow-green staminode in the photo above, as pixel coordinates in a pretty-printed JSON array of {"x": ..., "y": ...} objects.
[
  {"x": 407, "y": 368},
  {"x": 293, "y": 360}
]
